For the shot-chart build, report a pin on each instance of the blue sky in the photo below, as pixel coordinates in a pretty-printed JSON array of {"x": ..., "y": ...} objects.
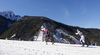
[{"x": 82, "y": 13}]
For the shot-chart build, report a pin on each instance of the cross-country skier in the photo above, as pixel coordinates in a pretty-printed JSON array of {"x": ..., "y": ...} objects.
[
  {"x": 44, "y": 30},
  {"x": 82, "y": 39},
  {"x": 46, "y": 35}
]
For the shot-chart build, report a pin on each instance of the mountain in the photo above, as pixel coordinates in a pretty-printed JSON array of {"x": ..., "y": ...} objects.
[
  {"x": 10, "y": 15},
  {"x": 24, "y": 28},
  {"x": 29, "y": 26},
  {"x": 5, "y": 24},
  {"x": 7, "y": 18}
]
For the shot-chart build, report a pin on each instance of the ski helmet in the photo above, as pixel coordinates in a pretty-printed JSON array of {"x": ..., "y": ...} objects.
[{"x": 77, "y": 29}]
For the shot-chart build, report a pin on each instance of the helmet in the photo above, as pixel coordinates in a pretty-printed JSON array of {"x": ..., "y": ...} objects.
[{"x": 77, "y": 29}]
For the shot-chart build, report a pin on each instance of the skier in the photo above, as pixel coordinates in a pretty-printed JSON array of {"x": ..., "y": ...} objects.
[
  {"x": 46, "y": 35},
  {"x": 44, "y": 30},
  {"x": 82, "y": 39}
]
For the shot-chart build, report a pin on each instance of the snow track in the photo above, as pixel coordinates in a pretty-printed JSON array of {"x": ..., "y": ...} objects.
[{"x": 11, "y": 47}]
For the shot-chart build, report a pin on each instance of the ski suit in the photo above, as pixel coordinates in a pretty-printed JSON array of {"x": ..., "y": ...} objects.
[
  {"x": 44, "y": 30},
  {"x": 82, "y": 39}
]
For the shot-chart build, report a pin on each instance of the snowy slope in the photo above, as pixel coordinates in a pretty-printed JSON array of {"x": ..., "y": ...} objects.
[
  {"x": 10, "y": 15},
  {"x": 12, "y": 47},
  {"x": 71, "y": 37},
  {"x": 58, "y": 38}
]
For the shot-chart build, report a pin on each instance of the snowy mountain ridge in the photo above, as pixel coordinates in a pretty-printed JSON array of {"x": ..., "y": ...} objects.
[{"x": 10, "y": 15}]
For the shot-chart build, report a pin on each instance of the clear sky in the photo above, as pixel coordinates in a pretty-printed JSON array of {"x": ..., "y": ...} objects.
[{"x": 82, "y": 13}]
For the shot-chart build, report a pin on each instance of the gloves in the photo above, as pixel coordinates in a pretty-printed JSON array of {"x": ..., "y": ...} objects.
[{"x": 76, "y": 33}]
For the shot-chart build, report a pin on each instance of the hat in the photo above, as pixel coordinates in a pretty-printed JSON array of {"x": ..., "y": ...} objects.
[{"x": 77, "y": 29}]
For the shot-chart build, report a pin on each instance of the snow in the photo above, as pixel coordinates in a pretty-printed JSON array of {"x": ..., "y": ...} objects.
[
  {"x": 40, "y": 36},
  {"x": 14, "y": 47},
  {"x": 10, "y": 15},
  {"x": 58, "y": 38},
  {"x": 11, "y": 47},
  {"x": 74, "y": 39}
]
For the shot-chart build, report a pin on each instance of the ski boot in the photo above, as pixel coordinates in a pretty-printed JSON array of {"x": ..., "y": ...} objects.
[{"x": 87, "y": 45}]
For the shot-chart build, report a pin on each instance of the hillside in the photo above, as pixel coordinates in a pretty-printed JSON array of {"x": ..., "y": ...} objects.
[
  {"x": 29, "y": 26},
  {"x": 7, "y": 18},
  {"x": 5, "y": 24}
]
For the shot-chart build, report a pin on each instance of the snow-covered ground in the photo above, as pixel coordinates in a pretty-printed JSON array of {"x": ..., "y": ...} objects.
[
  {"x": 13, "y": 47},
  {"x": 10, "y": 47}
]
